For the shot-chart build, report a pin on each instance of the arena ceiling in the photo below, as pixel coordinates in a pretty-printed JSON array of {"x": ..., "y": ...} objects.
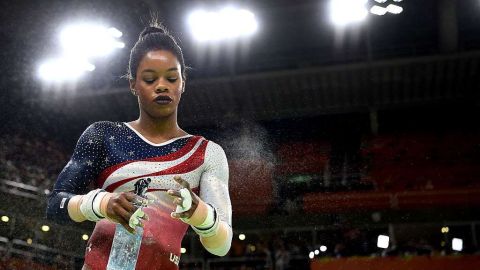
[{"x": 296, "y": 65}]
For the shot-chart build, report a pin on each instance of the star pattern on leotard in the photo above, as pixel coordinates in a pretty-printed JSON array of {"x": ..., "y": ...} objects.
[{"x": 105, "y": 144}]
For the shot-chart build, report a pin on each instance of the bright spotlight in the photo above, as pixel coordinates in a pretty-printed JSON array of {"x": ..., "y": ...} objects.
[
  {"x": 5, "y": 218},
  {"x": 316, "y": 252},
  {"x": 382, "y": 241},
  {"x": 394, "y": 9},
  {"x": 87, "y": 40},
  {"x": 29, "y": 241},
  {"x": 85, "y": 237},
  {"x": 343, "y": 12},
  {"x": 45, "y": 228},
  {"x": 241, "y": 236},
  {"x": 323, "y": 248},
  {"x": 64, "y": 69},
  {"x": 378, "y": 10},
  {"x": 114, "y": 32},
  {"x": 311, "y": 255},
  {"x": 445, "y": 229},
  {"x": 183, "y": 250},
  {"x": 227, "y": 23},
  {"x": 457, "y": 244}
]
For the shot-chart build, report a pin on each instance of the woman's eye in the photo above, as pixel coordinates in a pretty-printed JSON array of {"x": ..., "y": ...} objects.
[
  {"x": 172, "y": 79},
  {"x": 149, "y": 81}
]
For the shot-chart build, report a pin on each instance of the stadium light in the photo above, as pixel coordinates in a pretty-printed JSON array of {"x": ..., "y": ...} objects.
[
  {"x": 445, "y": 229},
  {"x": 378, "y": 10},
  {"x": 241, "y": 236},
  {"x": 5, "y": 218},
  {"x": 227, "y": 23},
  {"x": 45, "y": 228},
  {"x": 88, "y": 40},
  {"x": 183, "y": 250},
  {"x": 311, "y": 255},
  {"x": 323, "y": 248},
  {"x": 80, "y": 44},
  {"x": 85, "y": 237},
  {"x": 457, "y": 244},
  {"x": 316, "y": 252},
  {"x": 344, "y": 12},
  {"x": 64, "y": 69},
  {"x": 382, "y": 241},
  {"x": 394, "y": 9},
  {"x": 29, "y": 241}
]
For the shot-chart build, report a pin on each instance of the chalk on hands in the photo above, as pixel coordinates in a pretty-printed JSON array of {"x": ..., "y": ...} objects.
[
  {"x": 186, "y": 201},
  {"x": 134, "y": 220}
]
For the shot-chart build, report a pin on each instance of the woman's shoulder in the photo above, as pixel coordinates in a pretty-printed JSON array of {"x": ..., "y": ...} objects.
[
  {"x": 214, "y": 149},
  {"x": 99, "y": 129},
  {"x": 104, "y": 125}
]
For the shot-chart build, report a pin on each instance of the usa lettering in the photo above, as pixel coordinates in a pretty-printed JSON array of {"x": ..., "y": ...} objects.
[{"x": 174, "y": 258}]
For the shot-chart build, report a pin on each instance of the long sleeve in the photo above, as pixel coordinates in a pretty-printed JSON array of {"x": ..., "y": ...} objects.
[
  {"x": 214, "y": 191},
  {"x": 79, "y": 172}
]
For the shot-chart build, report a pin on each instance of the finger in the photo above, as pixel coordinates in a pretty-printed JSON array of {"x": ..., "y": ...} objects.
[
  {"x": 174, "y": 193},
  {"x": 180, "y": 215},
  {"x": 130, "y": 196},
  {"x": 127, "y": 205},
  {"x": 182, "y": 182},
  {"x": 128, "y": 228},
  {"x": 178, "y": 201},
  {"x": 124, "y": 223},
  {"x": 135, "y": 219},
  {"x": 122, "y": 215}
]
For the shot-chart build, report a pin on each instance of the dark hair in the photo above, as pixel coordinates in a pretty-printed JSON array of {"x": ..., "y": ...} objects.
[{"x": 152, "y": 38}]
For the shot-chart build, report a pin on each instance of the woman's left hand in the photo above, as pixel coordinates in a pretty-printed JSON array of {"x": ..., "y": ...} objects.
[{"x": 178, "y": 200}]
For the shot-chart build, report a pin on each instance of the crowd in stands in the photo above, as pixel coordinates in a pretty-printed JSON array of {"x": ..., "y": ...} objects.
[{"x": 31, "y": 160}]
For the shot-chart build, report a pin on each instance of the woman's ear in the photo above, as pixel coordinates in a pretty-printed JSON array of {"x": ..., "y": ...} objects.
[{"x": 132, "y": 87}]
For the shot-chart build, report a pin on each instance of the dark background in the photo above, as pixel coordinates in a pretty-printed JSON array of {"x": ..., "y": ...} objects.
[{"x": 299, "y": 81}]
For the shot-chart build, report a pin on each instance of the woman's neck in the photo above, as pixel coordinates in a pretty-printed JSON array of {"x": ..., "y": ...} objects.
[{"x": 159, "y": 129}]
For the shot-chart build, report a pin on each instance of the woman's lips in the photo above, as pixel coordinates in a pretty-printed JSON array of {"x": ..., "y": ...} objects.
[{"x": 162, "y": 100}]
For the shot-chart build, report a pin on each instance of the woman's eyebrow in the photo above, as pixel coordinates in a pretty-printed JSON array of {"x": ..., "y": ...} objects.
[{"x": 151, "y": 70}]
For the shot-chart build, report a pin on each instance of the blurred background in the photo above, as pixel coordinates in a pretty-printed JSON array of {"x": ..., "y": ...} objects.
[{"x": 351, "y": 126}]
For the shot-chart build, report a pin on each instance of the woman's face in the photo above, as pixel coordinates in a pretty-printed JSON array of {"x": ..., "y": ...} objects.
[{"x": 158, "y": 83}]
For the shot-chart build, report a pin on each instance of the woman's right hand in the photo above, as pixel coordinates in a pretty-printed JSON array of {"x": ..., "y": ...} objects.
[{"x": 120, "y": 208}]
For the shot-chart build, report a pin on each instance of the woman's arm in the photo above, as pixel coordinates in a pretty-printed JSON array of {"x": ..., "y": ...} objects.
[
  {"x": 76, "y": 176},
  {"x": 210, "y": 215},
  {"x": 69, "y": 200},
  {"x": 214, "y": 192}
]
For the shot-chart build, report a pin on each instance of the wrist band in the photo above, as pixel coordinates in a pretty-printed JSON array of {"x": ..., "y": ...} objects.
[
  {"x": 91, "y": 209},
  {"x": 74, "y": 208},
  {"x": 208, "y": 232},
  {"x": 209, "y": 220}
]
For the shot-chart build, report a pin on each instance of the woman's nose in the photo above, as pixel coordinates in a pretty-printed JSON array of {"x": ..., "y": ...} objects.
[{"x": 161, "y": 87}]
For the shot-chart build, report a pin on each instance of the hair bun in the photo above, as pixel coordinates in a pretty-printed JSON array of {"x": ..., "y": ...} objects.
[{"x": 152, "y": 30}]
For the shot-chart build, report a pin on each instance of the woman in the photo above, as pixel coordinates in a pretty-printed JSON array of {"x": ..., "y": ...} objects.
[{"x": 189, "y": 175}]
